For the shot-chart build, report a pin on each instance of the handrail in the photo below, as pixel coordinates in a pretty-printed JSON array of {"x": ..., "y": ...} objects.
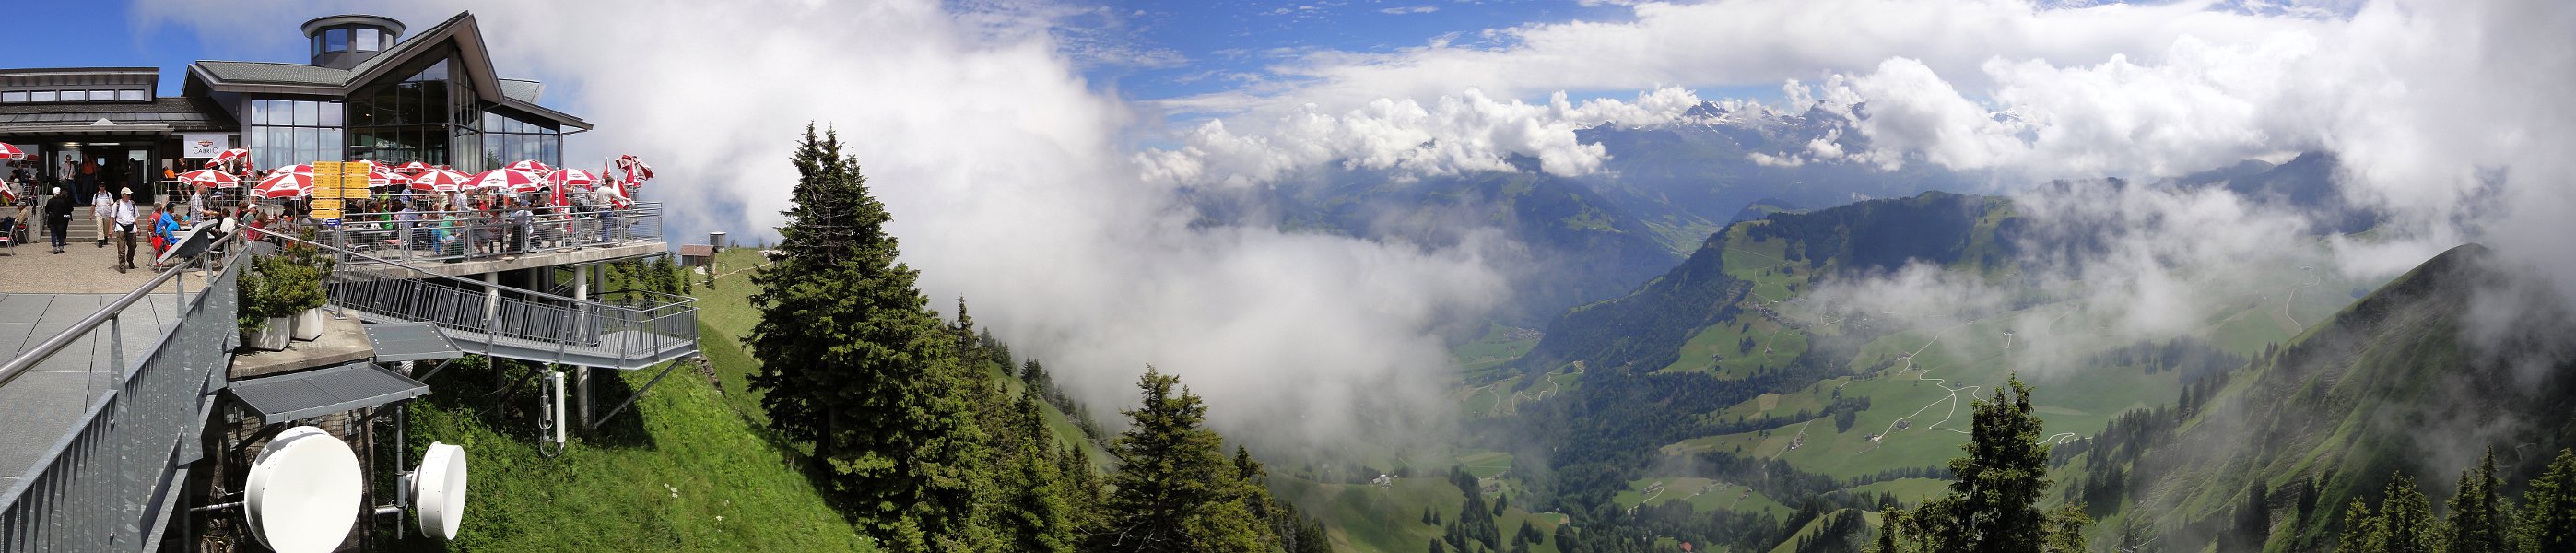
[
  {"x": 347, "y": 253},
  {"x": 462, "y": 234},
  {"x": 28, "y": 359},
  {"x": 644, "y": 327}
]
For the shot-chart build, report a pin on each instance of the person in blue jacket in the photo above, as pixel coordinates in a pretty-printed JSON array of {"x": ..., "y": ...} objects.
[{"x": 165, "y": 229}]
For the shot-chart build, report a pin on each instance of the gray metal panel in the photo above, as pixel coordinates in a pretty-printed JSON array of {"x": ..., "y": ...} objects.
[
  {"x": 325, "y": 391},
  {"x": 396, "y": 342},
  {"x": 279, "y": 73},
  {"x": 522, "y": 90}
]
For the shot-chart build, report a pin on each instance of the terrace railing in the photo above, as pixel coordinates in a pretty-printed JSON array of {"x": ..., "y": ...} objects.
[
  {"x": 112, "y": 480},
  {"x": 425, "y": 236},
  {"x": 627, "y": 330}
]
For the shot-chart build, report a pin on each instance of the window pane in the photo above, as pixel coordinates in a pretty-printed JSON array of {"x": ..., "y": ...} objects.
[
  {"x": 317, "y": 46},
  {"x": 281, "y": 144},
  {"x": 20, "y": 96},
  {"x": 553, "y": 152},
  {"x": 41, "y": 96},
  {"x": 102, "y": 95},
  {"x": 367, "y": 41},
  {"x": 308, "y": 113},
  {"x": 74, "y": 96},
  {"x": 386, "y": 42},
  {"x": 332, "y": 141},
  {"x": 335, "y": 40},
  {"x": 308, "y": 145},
  {"x": 131, "y": 95},
  {"x": 330, "y": 114},
  {"x": 259, "y": 112}
]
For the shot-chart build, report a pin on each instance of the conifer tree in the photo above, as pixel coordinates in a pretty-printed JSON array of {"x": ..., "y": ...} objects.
[
  {"x": 1175, "y": 492},
  {"x": 1041, "y": 513},
  {"x": 2477, "y": 522},
  {"x": 2362, "y": 531},
  {"x": 854, "y": 363},
  {"x": 1994, "y": 505},
  {"x": 2548, "y": 521},
  {"x": 2407, "y": 524}
]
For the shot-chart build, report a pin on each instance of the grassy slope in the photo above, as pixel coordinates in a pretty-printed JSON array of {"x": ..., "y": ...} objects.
[
  {"x": 1364, "y": 517},
  {"x": 735, "y": 491},
  {"x": 608, "y": 494},
  {"x": 2344, "y": 408},
  {"x": 685, "y": 433}
]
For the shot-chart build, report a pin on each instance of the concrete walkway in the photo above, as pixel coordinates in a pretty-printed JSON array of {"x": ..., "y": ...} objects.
[
  {"x": 82, "y": 268},
  {"x": 41, "y": 406}
]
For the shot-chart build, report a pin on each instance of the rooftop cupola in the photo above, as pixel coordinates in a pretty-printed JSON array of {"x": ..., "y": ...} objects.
[{"x": 342, "y": 41}]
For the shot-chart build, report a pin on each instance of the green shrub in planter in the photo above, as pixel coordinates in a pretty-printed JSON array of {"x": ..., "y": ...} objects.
[{"x": 281, "y": 285}]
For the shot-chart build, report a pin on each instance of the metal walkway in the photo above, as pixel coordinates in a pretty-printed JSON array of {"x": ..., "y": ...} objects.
[
  {"x": 107, "y": 476},
  {"x": 626, "y": 330}
]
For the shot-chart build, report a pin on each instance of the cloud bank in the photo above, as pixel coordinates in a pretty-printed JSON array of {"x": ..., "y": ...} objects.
[{"x": 1008, "y": 186}]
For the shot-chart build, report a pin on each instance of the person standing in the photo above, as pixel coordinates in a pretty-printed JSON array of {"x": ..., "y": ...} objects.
[
  {"x": 98, "y": 210},
  {"x": 89, "y": 178},
  {"x": 125, "y": 214},
  {"x": 58, "y": 217}
]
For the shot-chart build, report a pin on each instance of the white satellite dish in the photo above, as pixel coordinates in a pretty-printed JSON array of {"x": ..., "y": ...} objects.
[
  {"x": 438, "y": 490},
  {"x": 304, "y": 491}
]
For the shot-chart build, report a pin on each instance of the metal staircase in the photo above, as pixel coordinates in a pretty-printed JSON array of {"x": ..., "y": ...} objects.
[{"x": 627, "y": 330}]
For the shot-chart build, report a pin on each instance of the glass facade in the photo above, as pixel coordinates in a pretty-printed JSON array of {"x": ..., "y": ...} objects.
[
  {"x": 411, "y": 120},
  {"x": 509, "y": 139},
  {"x": 289, "y": 132}
]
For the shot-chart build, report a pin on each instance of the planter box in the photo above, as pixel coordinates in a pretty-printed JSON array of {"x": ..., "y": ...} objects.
[
  {"x": 271, "y": 338},
  {"x": 307, "y": 325}
]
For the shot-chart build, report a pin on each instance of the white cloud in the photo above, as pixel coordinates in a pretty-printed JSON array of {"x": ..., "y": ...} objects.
[
  {"x": 1402, "y": 10},
  {"x": 1466, "y": 132},
  {"x": 1008, "y": 185}
]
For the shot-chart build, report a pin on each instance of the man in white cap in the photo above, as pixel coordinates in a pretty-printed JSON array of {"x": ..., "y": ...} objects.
[
  {"x": 58, "y": 217},
  {"x": 125, "y": 214}
]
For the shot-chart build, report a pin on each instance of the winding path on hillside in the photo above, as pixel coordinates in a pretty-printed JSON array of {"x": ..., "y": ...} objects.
[
  {"x": 2297, "y": 327},
  {"x": 1953, "y": 397}
]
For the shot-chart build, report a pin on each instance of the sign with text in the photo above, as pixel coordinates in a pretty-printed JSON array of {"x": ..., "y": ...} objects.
[
  {"x": 327, "y": 176},
  {"x": 205, "y": 145}
]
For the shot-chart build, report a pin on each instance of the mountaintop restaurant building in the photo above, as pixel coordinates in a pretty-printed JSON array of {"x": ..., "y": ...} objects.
[{"x": 369, "y": 92}]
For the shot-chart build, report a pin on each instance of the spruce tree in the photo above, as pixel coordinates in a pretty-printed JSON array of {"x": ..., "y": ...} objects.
[
  {"x": 2362, "y": 531},
  {"x": 2478, "y": 524},
  {"x": 2407, "y": 523},
  {"x": 855, "y": 364},
  {"x": 1994, "y": 505},
  {"x": 2548, "y": 521},
  {"x": 1042, "y": 511},
  {"x": 1175, "y": 492}
]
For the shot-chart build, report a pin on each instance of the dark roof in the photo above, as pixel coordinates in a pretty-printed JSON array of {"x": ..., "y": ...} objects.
[
  {"x": 276, "y": 73},
  {"x": 181, "y": 113},
  {"x": 697, "y": 250},
  {"x": 292, "y": 78}
]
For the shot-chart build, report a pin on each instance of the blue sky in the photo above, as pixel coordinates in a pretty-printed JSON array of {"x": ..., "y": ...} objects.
[{"x": 1156, "y": 49}]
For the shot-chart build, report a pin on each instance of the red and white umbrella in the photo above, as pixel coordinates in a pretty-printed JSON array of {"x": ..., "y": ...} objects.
[
  {"x": 441, "y": 180},
  {"x": 636, "y": 170},
  {"x": 284, "y": 184},
  {"x": 508, "y": 180},
  {"x": 576, "y": 178},
  {"x": 209, "y": 178},
  {"x": 300, "y": 168},
  {"x": 412, "y": 168},
  {"x": 227, "y": 155},
  {"x": 533, "y": 167},
  {"x": 12, "y": 152}
]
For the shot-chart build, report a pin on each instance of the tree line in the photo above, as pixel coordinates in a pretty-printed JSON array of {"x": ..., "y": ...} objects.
[{"x": 910, "y": 422}]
